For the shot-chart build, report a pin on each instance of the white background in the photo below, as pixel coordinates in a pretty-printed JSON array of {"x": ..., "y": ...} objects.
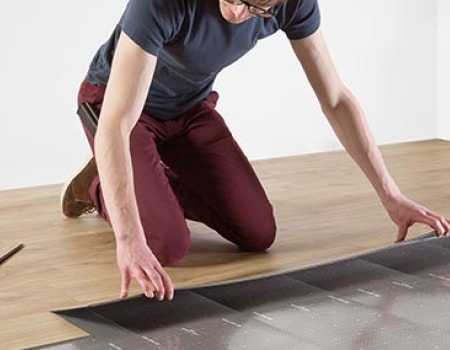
[
  {"x": 443, "y": 69},
  {"x": 393, "y": 54}
]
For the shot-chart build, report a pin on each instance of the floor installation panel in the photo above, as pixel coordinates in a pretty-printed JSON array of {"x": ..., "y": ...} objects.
[{"x": 381, "y": 300}]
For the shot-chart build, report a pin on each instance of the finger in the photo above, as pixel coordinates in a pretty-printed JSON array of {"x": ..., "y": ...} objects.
[
  {"x": 145, "y": 284},
  {"x": 124, "y": 283},
  {"x": 156, "y": 280},
  {"x": 447, "y": 225},
  {"x": 434, "y": 223},
  {"x": 168, "y": 285},
  {"x": 401, "y": 233},
  {"x": 443, "y": 222}
]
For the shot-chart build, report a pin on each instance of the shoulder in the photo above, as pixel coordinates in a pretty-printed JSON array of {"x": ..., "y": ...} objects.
[
  {"x": 158, "y": 8},
  {"x": 152, "y": 23},
  {"x": 299, "y": 18},
  {"x": 156, "y": 11}
]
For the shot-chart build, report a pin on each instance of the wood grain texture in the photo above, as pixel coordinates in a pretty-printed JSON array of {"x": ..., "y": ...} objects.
[{"x": 325, "y": 210}]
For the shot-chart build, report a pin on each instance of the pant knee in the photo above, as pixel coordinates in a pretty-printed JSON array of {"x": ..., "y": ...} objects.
[
  {"x": 170, "y": 248},
  {"x": 171, "y": 255},
  {"x": 168, "y": 258},
  {"x": 258, "y": 237}
]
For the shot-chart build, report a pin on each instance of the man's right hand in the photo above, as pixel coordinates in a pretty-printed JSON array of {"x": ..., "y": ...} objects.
[{"x": 136, "y": 260}]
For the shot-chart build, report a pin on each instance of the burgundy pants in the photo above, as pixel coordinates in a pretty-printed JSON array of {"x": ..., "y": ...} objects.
[{"x": 190, "y": 167}]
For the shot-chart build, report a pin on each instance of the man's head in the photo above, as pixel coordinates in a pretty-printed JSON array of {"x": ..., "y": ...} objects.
[{"x": 238, "y": 11}]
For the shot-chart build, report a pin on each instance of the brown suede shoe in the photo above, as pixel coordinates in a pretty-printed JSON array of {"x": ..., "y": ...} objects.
[{"x": 75, "y": 198}]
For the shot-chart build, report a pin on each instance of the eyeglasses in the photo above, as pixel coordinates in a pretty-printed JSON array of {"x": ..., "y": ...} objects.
[{"x": 256, "y": 10}]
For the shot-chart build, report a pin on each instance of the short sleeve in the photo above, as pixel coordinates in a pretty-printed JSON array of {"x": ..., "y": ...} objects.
[
  {"x": 152, "y": 23},
  {"x": 300, "y": 18}
]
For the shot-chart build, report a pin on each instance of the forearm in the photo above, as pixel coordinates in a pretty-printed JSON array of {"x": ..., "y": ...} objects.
[
  {"x": 116, "y": 177},
  {"x": 129, "y": 81},
  {"x": 348, "y": 122}
]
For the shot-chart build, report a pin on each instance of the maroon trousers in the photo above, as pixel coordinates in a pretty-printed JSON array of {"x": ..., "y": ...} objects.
[{"x": 190, "y": 167}]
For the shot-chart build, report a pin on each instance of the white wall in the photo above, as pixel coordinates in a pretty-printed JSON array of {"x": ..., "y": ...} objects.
[
  {"x": 385, "y": 51},
  {"x": 443, "y": 69},
  {"x": 46, "y": 46},
  {"x": 383, "y": 55}
]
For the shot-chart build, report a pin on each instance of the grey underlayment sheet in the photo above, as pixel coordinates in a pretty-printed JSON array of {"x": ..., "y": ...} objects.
[{"x": 395, "y": 298}]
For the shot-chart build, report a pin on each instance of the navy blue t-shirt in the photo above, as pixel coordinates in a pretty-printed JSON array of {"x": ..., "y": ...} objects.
[{"x": 193, "y": 43}]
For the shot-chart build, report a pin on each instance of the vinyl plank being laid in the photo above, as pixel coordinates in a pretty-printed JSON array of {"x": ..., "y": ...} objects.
[
  {"x": 350, "y": 304},
  {"x": 189, "y": 322}
]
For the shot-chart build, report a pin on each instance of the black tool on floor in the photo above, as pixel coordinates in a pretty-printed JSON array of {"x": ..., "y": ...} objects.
[
  {"x": 88, "y": 116},
  {"x": 11, "y": 252}
]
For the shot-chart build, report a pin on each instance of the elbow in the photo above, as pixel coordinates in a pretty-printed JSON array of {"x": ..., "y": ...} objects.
[
  {"x": 334, "y": 104},
  {"x": 112, "y": 128},
  {"x": 109, "y": 136}
]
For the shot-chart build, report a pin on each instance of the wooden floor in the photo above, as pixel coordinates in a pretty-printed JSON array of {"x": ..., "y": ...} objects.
[{"x": 325, "y": 210}]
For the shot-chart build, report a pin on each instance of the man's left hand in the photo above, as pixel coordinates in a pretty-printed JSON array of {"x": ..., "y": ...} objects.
[{"x": 405, "y": 213}]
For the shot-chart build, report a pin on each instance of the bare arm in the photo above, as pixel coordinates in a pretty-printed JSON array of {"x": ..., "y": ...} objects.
[
  {"x": 130, "y": 78},
  {"x": 348, "y": 122}
]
